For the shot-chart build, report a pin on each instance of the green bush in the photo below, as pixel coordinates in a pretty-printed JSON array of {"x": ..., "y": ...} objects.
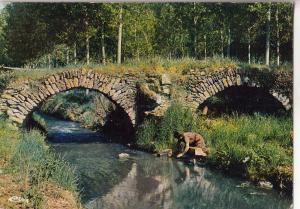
[
  {"x": 5, "y": 78},
  {"x": 159, "y": 135}
]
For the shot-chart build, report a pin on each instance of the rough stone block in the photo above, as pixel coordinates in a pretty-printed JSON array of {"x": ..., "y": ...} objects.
[
  {"x": 49, "y": 89},
  {"x": 165, "y": 79}
]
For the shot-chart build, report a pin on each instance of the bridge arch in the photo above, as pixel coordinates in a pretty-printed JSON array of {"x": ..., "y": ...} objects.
[
  {"x": 200, "y": 88},
  {"x": 19, "y": 101}
]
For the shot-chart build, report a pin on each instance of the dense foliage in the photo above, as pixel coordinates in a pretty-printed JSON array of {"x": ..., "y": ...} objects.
[{"x": 44, "y": 34}]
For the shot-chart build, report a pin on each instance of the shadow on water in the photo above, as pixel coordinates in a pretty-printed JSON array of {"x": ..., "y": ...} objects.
[{"x": 148, "y": 182}]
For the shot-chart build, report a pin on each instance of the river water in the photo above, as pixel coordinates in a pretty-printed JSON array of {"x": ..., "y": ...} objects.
[{"x": 144, "y": 181}]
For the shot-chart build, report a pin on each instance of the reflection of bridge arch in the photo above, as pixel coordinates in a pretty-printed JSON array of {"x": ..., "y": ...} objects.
[
  {"x": 20, "y": 101},
  {"x": 200, "y": 88}
]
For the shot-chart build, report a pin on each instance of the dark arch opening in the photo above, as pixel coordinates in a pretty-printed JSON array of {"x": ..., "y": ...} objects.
[
  {"x": 92, "y": 109},
  {"x": 242, "y": 99}
]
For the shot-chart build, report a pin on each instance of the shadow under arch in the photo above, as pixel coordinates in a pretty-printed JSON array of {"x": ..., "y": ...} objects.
[
  {"x": 242, "y": 99},
  {"x": 117, "y": 124}
]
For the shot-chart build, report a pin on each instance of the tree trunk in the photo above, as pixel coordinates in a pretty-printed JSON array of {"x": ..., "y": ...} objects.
[
  {"x": 268, "y": 36},
  {"x": 87, "y": 42},
  {"x": 222, "y": 44},
  {"x": 229, "y": 42},
  {"x": 46, "y": 62},
  {"x": 277, "y": 37},
  {"x": 195, "y": 31},
  {"x": 49, "y": 61},
  {"x": 68, "y": 58},
  {"x": 205, "y": 53},
  {"x": 75, "y": 54},
  {"x": 249, "y": 50},
  {"x": 120, "y": 37},
  {"x": 103, "y": 47}
]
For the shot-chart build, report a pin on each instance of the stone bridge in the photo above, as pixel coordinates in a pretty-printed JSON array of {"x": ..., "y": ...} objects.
[
  {"x": 17, "y": 101},
  {"x": 200, "y": 86}
]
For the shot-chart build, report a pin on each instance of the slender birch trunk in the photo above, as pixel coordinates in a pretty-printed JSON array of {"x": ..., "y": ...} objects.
[
  {"x": 68, "y": 58},
  {"x": 195, "y": 31},
  {"x": 75, "y": 53},
  {"x": 268, "y": 36},
  {"x": 249, "y": 49},
  {"x": 229, "y": 42},
  {"x": 277, "y": 37},
  {"x": 205, "y": 52},
  {"x": 49, "y": 61},
  {"x": 222, "y": 44},
  {"x": 103, "y": 47},
  {"x": 120, "y": 37},
  {"x": 87, "y": 43}
]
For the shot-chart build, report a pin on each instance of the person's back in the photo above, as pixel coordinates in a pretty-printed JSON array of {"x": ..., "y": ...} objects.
[{"x": 192, "y": 139}]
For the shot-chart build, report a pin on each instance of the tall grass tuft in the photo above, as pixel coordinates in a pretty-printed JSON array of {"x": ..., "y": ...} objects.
[
  {"x": 158, "y": 135},
  {"x": 34, "y": 160}
]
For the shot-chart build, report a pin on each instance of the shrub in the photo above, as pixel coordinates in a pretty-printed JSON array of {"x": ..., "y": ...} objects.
[{"x": 158, "y": 135}]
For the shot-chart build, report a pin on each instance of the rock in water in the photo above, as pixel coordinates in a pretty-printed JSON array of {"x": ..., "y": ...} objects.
[
  {"x": 265, "y": 184},
  {"x": 123, "y": 155}
]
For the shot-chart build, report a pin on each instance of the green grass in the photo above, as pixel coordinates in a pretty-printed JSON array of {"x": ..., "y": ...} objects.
[
  {"x": 256, "y": 147},
  {"x": 33, "y": 159},
  {"x": 9, "y": 137},
  {"x": 26, "y": 155},
  {"x": 156, "y": 65}
]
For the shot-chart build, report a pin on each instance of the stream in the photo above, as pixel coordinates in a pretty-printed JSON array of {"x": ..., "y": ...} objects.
[{"x": 144, "y": 181}]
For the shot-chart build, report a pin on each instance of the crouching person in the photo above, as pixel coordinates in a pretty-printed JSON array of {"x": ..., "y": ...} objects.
[{"x": 191, "y": 141}]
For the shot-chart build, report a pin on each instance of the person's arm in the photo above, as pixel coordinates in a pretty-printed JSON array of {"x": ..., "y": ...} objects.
[{"x": 186, "y": 149}]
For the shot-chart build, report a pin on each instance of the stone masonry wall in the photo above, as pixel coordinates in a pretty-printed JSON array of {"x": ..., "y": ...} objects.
[{"x": 19, "y": 101}]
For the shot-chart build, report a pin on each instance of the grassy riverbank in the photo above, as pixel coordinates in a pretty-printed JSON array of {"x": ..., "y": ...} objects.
[
  {"x": 255, "y": 147},
  {"x": 30, "y": 169}
]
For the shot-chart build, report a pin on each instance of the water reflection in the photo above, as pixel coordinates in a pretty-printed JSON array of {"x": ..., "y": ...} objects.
[{"x": 146, "y": 182}]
